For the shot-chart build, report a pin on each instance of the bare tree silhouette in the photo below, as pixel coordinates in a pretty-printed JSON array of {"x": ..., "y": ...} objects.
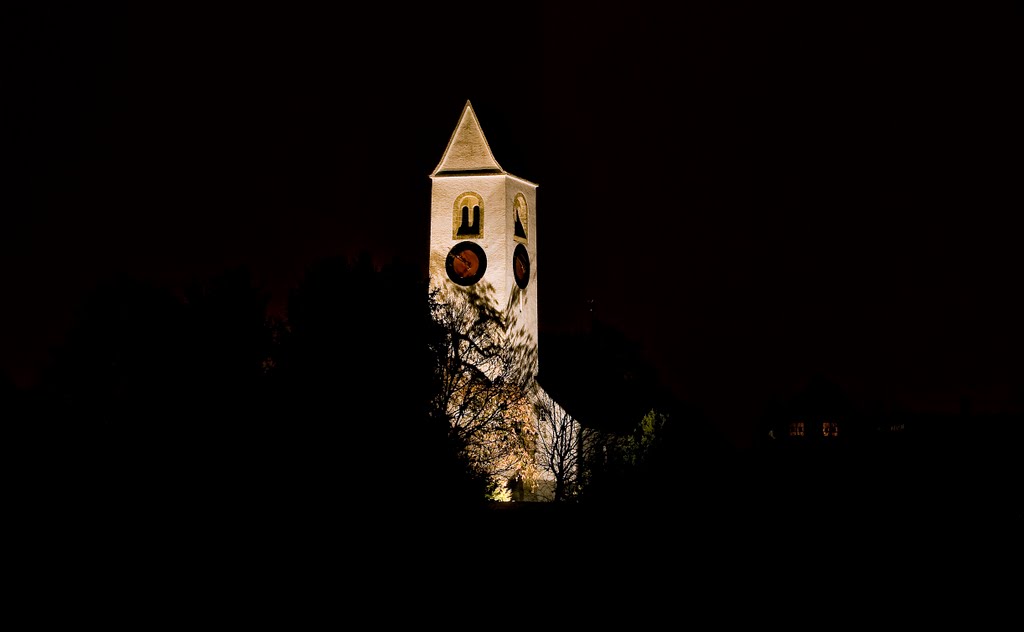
[
  {"x": 560, "y": 446},
  {"x": 486, "y": 392}
]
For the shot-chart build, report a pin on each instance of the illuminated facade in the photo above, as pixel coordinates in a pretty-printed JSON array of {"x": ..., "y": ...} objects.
[
  {"x": 483, "y": 227},
  {"x": 483, "y": 245}
]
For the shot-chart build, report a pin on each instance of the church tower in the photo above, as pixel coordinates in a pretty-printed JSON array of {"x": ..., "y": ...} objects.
[{"x": 483, "y": 227}]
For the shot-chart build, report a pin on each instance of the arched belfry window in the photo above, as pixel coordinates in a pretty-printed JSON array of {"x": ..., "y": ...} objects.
[
  {"x": 522, "y": 218},
  {"x": 468, "y": 216}
]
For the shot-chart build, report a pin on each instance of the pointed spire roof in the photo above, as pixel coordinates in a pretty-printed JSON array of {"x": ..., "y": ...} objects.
[{"x": 468, "y": 151}]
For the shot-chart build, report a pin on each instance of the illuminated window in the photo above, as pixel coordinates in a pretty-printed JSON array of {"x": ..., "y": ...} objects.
[
  {"x": 522, "y": 218},
  {"x": 796, "y": 428},
  {"x": 829, "y": 429},
  {"x": 468, "y": 217}
]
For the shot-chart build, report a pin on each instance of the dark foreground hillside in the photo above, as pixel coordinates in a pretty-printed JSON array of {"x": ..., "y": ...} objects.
[
  {"x": 737, "y": 534},
  {"x": 765, "y": 541}
]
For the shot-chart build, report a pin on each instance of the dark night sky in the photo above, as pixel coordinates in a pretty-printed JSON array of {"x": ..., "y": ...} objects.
[{"x": 753, "y": 192}]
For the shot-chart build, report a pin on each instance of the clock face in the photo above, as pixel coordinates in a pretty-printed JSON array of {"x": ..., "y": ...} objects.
[
  {"x": 521, "y": 266},
  {"x": 466, "y": 263}
]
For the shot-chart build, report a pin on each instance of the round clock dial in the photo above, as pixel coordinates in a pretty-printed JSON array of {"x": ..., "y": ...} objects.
[
  {"x": 466, "y": 263},
  {"x": 521, "y": 266}
]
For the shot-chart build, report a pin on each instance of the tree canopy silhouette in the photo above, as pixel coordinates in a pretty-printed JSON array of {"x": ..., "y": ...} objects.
[{"x": 356, "y": 376}]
